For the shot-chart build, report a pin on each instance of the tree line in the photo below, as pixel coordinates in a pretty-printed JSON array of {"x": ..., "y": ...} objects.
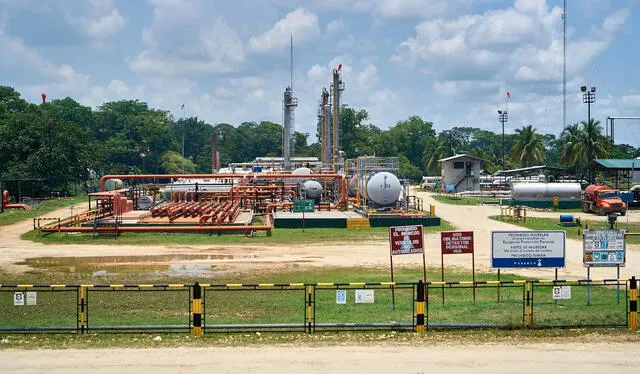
[{"x": 61, "y": 144}]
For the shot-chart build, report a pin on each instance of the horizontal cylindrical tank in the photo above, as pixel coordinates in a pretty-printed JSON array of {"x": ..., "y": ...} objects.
[
  {"x": 312, "y": 190},
  {"x": 145, "y": 202},
  {"x": 113, "y": 184},
  {"x": 566, "y": 218},
  {"x": 546, "y": 190},
  {"x": 383, "y": 188}
]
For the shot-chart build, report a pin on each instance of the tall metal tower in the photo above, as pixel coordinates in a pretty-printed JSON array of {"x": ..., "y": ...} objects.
[
  {"x": 337, "y": 87},
  {"x": 325, "y": 128},
  {"x": 289, "y": 104}
]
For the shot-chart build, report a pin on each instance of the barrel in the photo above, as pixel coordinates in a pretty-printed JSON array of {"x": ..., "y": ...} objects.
[{"x": 566, "y": 218}]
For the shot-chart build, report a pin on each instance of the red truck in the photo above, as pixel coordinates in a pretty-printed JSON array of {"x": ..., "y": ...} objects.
[{"x": 602, "y": 200}]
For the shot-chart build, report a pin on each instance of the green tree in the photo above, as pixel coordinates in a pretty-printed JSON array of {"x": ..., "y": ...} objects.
[
  {"x": 591, "y": 144},
  {"x": 528, "y": 148}
]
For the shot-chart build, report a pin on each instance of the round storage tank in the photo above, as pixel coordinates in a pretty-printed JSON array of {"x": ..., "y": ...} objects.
[
  {"x": 546, "y": 190},
  {"x": 383, "y": 188},
  {"x": 299, "y": 171},
  {"x": 145, "y": 202},
  {"x": 312, "y": 190},
  {"x": 112, "y": 184}
]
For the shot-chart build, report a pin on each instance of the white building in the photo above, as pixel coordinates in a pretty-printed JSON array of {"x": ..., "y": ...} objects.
[{"x": 461, "y": 173}]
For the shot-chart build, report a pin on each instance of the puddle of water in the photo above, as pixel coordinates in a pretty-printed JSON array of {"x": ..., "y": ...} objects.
[{"x": 171, "y": 265}]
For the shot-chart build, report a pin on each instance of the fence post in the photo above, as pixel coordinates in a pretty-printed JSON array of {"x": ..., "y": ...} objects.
[
  {"x": 420, "y": 308},
  {"x": 633, "y": 304},
  {"x": 528, "y": 304},
  {"x": 197, "y": 309},
  {"x": 309, "y": 308},
  {"x": 82, "y": 317}
]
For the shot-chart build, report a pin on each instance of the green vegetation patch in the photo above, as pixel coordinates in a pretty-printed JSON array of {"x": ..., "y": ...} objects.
[{"x": 11, "y": 216}]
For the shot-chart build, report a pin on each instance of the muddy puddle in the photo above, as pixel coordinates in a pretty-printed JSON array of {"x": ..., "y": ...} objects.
[{"x": 178, "y": 265}]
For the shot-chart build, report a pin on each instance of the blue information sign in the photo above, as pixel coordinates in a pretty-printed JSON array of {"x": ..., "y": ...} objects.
[{"x": 528, "y": 249}]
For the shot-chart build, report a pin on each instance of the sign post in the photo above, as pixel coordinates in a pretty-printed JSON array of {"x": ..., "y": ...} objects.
[
  {"x": 406, "y": 240},
  {"x": 604, "y": 248},
  {"x": 303, "y": 206},
  {"x": 457, "y": 242}
]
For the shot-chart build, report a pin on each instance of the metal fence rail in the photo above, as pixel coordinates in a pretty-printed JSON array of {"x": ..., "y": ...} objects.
[{"x": 314, "y": 307}]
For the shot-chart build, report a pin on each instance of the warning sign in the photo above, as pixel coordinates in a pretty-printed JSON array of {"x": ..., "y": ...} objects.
[
  {"x": 406, "y": 240},
  {"x": 455, "y": 242}
]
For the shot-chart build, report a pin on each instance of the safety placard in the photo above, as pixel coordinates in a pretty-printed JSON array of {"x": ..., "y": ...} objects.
[
  {"x": 18, "y": 298},
  {"x": 528, "y": 249},
  {"x": 341, "y": 296},
  {"x": 455, "y": 242},
  {"x": 32, "y": 298},
  {"x": 365, "y": 297},
  {"x": 405, "y": 240},
  {"x": 604, "y": 248},
  {"x": 561, "y": 293},
  {"x": 303, "y": 206}
]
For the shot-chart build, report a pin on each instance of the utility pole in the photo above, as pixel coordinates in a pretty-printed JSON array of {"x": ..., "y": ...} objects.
[{"x": 502, "y": 118}]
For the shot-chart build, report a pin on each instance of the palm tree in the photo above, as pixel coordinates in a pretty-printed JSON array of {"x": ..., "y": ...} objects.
[
  {"x": 590, "y": 143},
  {"x": 528, "y": 148},
  {"x": 569, "y": 142}
]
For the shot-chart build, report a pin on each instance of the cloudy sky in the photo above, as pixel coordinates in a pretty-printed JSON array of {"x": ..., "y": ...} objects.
[{"x": 449, "y": 61}]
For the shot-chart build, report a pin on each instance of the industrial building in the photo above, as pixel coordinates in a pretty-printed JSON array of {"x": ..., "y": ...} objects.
[{"x": 461, "y": 173}]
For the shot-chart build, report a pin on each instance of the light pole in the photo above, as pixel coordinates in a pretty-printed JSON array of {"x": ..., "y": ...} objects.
[
  {"x": 588, "y": 97},
  {"x": 502, "y": 118}
]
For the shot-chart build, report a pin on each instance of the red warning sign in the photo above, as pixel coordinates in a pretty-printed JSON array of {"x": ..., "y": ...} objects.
[
  {"x": 406, "y": 240},
  {"x": 454, "y": 242}
]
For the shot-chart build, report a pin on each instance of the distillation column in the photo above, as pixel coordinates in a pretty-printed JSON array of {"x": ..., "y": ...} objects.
[
  {"x": 325, "y": 129},
  {"x": 289, "y": 105},
  {"x": 336, "y": 91}
]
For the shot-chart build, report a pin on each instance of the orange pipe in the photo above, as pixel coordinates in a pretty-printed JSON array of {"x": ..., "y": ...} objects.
[{"x": 17, "y": 206}]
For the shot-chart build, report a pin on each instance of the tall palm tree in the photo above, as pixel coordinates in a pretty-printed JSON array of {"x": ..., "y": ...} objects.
[
  {"x": 569, "y": 142},
  {"x": 528, "y": 148},
  {"x": 591, "y": 143}
]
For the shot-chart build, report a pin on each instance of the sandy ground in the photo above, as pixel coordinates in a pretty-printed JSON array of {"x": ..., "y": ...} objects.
[
  {"x": 371, "y": 253},
  {"x": 490, "y": 359}
]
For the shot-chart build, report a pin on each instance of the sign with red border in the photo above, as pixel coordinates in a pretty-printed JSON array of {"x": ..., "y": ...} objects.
[
  {"x": 406, "y": 240},
  {"x": 456, "y": 242}
]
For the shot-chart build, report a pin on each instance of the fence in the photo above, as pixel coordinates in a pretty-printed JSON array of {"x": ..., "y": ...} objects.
[{"x": 314, "y": 307}]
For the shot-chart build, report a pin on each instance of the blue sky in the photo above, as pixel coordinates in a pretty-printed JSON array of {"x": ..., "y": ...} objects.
[{"x": 449, "y": 61}]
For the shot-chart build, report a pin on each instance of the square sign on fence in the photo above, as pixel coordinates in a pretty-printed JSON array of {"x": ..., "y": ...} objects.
[
  {"x": 364, "y": 297},
  {"x": 562, "y": 293},
  {"x": 456, "y": 242},
  {"x": 528, "y": 249},
  {"x": 406, "y": 240},
  {"x": 604, "y": 248},
  {"x": 341, "y": 296}
]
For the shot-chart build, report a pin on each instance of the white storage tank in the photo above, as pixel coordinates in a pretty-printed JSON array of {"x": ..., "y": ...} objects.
[
  {"x": 383, "y": 188},
  {"x": 145, "y": 202},
  {"x": 113, "y": 184},
  {"x": 312, "y": 190},
  {"x": 563, "y": 191},
  {"x": 299, "y": 171}
]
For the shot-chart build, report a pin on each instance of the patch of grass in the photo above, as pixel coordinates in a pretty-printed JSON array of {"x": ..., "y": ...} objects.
[
  {"x": 575, "y": 232},
  {"x": 463, "y": 200},
  {"x": 235, "y": 305},
  {"x": 11, "y": 216},
  {"x": 279, "y": 236}
]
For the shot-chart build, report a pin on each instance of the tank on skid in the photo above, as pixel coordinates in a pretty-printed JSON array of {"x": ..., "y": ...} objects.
[
  {"x": 113, "y": 184},
  {"x": 312, "y": 190},
  {"x": 563, "y": 191},
  {"x": 145, "y": 202},
  {"x": 383, "y": 188},
  {"x": 299, "y": 171}
]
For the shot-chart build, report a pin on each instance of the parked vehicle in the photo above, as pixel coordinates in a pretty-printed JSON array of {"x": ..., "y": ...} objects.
[
  {"x": 602, "y": 200},
  {"x": 431, "y": 183}
]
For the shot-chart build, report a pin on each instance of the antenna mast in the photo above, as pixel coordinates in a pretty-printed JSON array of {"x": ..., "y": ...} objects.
[{"x": 564, "y": 66}]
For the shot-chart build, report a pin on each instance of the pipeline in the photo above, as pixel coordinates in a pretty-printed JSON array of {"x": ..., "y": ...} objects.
[{"x": 6, "y": 205}]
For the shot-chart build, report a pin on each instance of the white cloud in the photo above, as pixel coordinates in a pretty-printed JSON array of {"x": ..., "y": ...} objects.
[
  {"x": 336, "y": 26},
  {"x": 182, "y": 40},
  {"x": 410, "y": 8},
  {"x": 104, "y": 20},
  {"x": 300, "y": 23}
]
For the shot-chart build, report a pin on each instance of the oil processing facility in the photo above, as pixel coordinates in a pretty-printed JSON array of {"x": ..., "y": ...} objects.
[{"x": 259, "y": 195}]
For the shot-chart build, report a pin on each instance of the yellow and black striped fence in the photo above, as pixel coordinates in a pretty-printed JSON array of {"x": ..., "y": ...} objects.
[{"x": 203, "y": 308}]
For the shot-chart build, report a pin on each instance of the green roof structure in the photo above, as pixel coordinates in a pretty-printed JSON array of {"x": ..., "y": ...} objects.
[{"x": 616, "y": 163}]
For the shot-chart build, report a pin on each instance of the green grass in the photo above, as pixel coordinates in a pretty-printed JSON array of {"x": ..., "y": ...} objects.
[
  {"x": 574, "y": 232},
  {"x": 11, "y": 216},
  {"x": 463, "y": 200},
  {"x": 131, "y": 307},
  {"x": 279, "y": 236}
]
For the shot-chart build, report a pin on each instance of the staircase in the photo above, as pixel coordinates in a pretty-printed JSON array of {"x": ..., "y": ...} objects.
[{"x": 358, "y": 223}]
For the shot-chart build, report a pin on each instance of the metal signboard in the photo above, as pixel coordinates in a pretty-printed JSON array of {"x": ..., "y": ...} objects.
[
  {"x": 604, "y": 248},
  {"x": 405, "y": 240},
  {"x": 454, "y": 242},
  {"x": 32, "y": 298},
  {"x": 365, "y": 297},
  {"x": 341, "y": 296},
  {"x": 304, "y": 206},
  {"x": 528, "y": 249},
  {"x": 18, "y": 298},
  {"x": 561, "y": 293}
]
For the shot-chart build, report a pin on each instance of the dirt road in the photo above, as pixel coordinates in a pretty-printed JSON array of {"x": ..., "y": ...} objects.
[{"x": 490, "y": 359}]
